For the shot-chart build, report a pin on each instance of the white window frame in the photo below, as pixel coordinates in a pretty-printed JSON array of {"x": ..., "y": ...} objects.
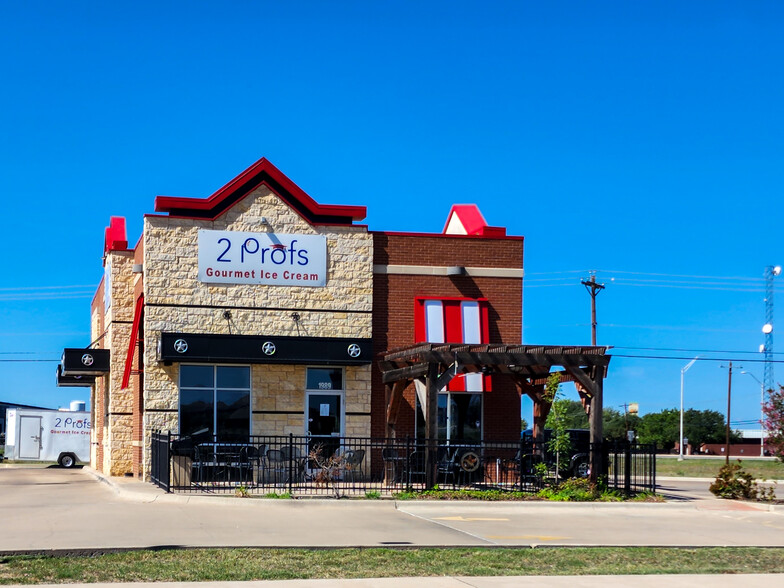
[{"x": 341, "y": 393}]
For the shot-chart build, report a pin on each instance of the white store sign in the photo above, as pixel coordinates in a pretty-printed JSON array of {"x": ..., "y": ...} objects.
[{"x": 234, "y": 257}]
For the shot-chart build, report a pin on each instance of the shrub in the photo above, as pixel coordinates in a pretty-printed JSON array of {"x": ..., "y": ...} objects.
[
  {"x": 734, "y": 482},
  {"x": 276, "y": 495},
  {"x": 572, "y": 490}
]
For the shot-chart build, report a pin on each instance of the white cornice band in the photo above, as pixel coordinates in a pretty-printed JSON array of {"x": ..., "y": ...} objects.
[{"x": 435, "y": 270}]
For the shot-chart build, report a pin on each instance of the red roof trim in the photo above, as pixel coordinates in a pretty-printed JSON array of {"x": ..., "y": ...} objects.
[
  {"x": 137, "y": 317},
  {"x": 502, "y": 237},
  {"x": 260, "y": 173}
]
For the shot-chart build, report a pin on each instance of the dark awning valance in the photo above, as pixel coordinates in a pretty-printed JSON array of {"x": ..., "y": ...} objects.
[
  {"x": 84, "y": 362},
  {"x": 73, "y": 381},
  {"x": 191, "y": 347}
]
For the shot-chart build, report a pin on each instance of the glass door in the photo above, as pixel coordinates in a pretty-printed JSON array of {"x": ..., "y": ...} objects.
[{"x": 324, "y": 411}]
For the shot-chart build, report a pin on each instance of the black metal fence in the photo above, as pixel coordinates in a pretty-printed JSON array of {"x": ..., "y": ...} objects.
[
  {"x": 159, "y": 464},
  {"x": 631, "y": 467},
  {"x": 358, "y": 466}
]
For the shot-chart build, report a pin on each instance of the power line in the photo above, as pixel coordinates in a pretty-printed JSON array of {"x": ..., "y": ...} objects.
[
  {"x": 47, "y": 287},
  {"x": 690, "y": 350},
  {"x": 724, "y": 359},
  {"x": 29, "y": 361},
  {"x": 604, "y": 271}
]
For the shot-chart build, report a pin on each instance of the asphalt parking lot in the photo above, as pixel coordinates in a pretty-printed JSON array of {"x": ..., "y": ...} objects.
[{"x": 55, "y": 509}]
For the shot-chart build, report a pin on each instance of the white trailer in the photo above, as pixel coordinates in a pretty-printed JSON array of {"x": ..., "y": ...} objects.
[{"x": 47, "y": 435}]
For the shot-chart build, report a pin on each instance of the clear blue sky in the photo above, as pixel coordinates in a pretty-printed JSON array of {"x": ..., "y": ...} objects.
[{"x": 616, "y": 136}]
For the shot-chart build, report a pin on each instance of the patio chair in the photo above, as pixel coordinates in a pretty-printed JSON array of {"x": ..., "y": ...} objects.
[
  {"x": 352, "y": 464},
  {"x": 203, "y": 463},
  {"x": 248, "y": 462},
  {"x": 447, "y": 464},
  {"x": 257, "y": 456},
  {"x": 298, "y": 462},
  {"x": 415, "y": 467},
  {"x": 277, "y": 466},
  {"x": 395, "y": 464}
]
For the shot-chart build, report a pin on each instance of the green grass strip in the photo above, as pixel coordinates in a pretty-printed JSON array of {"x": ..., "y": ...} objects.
[
  {"x": 198, "y": 565},
  {"x": 701, "y": 467}
]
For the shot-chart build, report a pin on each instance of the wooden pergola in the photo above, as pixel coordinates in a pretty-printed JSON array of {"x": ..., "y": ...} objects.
[{"x": 433, "y": 365}]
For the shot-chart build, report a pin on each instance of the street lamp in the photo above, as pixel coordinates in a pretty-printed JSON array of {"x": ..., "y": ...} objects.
[
  {"x": 762, "y": 415},
  {"x": 683, "y": 371}
]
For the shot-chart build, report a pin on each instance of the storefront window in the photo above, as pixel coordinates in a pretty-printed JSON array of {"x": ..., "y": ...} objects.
[
  {"x": 459, "y": 418},
  {"x": 216, "y": 398}
]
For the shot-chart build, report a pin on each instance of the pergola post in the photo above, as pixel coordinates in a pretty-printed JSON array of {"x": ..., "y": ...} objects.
[
  {"x": 595, "y": 423},
  {"x": 431, "y": 424}
]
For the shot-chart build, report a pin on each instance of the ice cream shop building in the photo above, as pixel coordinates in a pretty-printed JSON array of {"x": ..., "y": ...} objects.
[{"x": 258, "y": 311}]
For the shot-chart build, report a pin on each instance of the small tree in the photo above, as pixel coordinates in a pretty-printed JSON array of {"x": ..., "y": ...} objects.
[
  {"x": 773, "y": 410},
  {"x": 329, "y": 468},
  {"x": 559, "y": 442}
]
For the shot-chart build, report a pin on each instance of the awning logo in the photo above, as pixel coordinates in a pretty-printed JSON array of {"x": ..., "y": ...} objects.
[
  {"x": 181, "y": 346},
  {"x": 87, "y": 359}
]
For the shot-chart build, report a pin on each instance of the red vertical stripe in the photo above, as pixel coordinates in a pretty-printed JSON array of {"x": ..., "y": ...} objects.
[
  {"x": 453, "y": 333},
  {"x": 420, "y": 331},
  {"x": 484, "y": 315},
  {"x": 453, "y": 322}
]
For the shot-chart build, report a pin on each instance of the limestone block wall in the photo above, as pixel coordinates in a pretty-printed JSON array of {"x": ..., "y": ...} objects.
[
  {"x": 117, "y": 438},
  {"x": 278, "y": 399},
  {"x": 357, "y": 398},
  {"x": 96, "y": 390},
  {"x": 175, "y": 301}
]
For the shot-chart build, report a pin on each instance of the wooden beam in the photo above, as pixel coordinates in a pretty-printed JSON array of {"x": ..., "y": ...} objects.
[
  {"x": 595, "y": 423},
  {"x": 585, "y": 398},
  {"x": 483, "y": 358},
  {"x": 410, "y": 372},
  {"x": 394, "y": 400},
  {"x": 582, "y": 377},
  {"x": 431, "y": 425},
  {"x": 541, "y": 410},
  {"x": 447, "y": 376}
]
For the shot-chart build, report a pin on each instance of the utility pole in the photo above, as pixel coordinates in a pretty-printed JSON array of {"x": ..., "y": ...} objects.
[
  {"x": 729, "y": 396},
  {"x": 767, "y": 378},
  {"x": 593, "y": 289}
]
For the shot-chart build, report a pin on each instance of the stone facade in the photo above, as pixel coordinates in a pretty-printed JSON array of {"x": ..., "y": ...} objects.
[
  {"x": 112, "y": 406},
  {"x": 176, "y": 301},
  {"x": 354, "y": 304}
]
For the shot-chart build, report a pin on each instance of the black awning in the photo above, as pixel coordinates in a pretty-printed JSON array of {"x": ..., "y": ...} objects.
[
  {"x": 73, "y": 381},
  {"x": 84, "y": 362},
  {"x": 204, "y": 348}
]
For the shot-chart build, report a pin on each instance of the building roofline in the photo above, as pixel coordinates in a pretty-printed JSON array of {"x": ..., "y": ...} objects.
[{"x": 263, "y": 172}]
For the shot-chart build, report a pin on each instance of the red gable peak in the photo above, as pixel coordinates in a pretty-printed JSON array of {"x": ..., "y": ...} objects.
[
  {"x": 465, "y": 219},
  {"x": 261, "y": 172}
]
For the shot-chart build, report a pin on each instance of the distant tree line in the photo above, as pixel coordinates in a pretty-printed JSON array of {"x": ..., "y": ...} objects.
[{"x": 662, "y": 428}]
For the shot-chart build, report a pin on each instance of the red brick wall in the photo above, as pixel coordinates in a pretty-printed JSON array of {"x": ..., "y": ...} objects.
[{"x": 393, "y": 314}]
